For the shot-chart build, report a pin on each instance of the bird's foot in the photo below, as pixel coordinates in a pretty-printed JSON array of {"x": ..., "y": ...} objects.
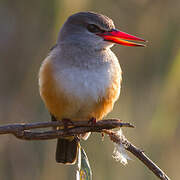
[
  {"x": 67, "y": 123},
  {"x": 92, "y": 121}
]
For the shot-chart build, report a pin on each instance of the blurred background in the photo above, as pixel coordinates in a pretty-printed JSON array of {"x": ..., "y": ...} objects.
[{"x": 150, "y": 96}]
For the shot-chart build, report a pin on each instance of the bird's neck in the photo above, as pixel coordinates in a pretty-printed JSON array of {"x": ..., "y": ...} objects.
[
  {"x": 82, "y": 56},
  {"x": 83, "y": 46}
]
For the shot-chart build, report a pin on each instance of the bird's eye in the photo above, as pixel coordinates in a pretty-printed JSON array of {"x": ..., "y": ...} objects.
[{"x": 93, "y": 28}]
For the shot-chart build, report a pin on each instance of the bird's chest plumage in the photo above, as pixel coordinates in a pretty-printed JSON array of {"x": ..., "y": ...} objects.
[
  {"x": 84, "y": 84},
  {"x": 83, "y": 91}
]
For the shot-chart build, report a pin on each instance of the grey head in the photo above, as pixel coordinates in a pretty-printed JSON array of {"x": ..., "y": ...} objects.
[{"x": 81, "y": 30}]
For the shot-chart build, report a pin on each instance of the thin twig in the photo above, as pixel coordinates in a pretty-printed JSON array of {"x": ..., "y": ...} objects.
[
  {"x": 22, "y": 131},
  {"x": 138, "y": 153}
]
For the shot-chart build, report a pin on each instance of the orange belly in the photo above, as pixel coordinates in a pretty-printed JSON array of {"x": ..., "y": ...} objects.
[{"x": 61, "y": 105}]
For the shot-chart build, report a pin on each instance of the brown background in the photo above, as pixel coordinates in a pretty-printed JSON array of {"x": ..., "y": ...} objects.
[{"x": 150, "y": 96}]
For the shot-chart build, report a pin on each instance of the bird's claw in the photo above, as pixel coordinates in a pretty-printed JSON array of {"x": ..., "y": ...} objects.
[
  {"x": 92, "y": 121},
  {"x": 67, "y": 122}
]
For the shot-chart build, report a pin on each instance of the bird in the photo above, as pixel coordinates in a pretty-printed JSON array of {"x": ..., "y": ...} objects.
[{"x": 80, "y": 79}]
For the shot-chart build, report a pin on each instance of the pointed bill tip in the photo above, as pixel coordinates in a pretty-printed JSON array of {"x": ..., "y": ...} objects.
[{"x": 122, "y": 38}]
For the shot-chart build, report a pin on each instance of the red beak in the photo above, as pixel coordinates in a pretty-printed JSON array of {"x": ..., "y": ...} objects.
[{"x": 119, "y": 37}]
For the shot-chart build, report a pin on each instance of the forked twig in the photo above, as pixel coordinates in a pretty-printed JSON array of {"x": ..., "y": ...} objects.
[
  {"x": 24, "y": 131},
  {"x": 138, "y": 153}
]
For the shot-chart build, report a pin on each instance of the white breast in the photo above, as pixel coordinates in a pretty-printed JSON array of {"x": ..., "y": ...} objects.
[{"x": 85, "y": 85}]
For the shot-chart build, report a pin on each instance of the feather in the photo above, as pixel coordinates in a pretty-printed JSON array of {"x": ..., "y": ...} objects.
[{"x": 119, "y": 153}]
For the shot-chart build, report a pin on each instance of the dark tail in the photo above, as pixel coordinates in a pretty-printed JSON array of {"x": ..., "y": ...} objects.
[{"x": 66, "y": 151}]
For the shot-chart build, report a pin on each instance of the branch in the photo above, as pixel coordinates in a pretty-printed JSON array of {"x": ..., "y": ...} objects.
[
  {"x": 138, "y": 153},
  {"x": 22, "y": 131}
]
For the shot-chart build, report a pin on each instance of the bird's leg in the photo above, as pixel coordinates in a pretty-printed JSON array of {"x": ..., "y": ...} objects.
[
  {"x": 53, "y": 118},
  {"x": 92, "y": 121}
]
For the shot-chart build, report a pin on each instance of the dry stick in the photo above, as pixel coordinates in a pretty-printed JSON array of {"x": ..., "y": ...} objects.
[
  {"x": 20, "y": 128},
  {"x": 138, "y": 153},
  {"x": 22, "y": 131}
]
